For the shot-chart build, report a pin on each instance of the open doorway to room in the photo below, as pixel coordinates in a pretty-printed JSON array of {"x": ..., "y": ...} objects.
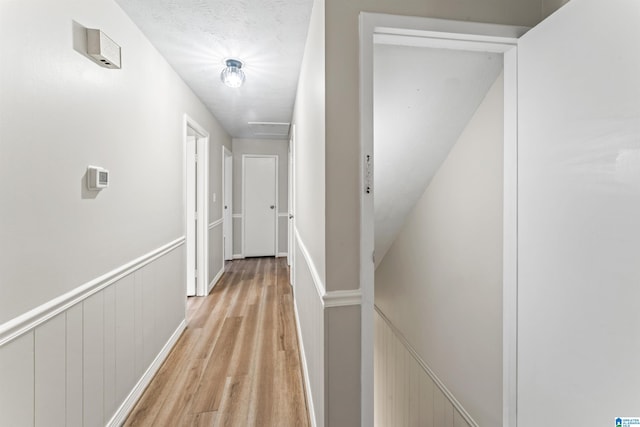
[
  {"x": 439, "y": 217},
  {"x": 196, "y": 148}
]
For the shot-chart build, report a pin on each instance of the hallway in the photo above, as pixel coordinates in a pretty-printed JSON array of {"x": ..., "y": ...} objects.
[{"x": 237, "y": 363}]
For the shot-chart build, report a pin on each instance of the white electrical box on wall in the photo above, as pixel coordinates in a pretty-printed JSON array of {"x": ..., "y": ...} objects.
[
  {"x": 97, "y": 178},
  {"x": 104, "y": 51}
]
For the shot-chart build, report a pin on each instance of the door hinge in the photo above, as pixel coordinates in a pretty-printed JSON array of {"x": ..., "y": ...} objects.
[
  {"x": 196, "y": 157},
  {"x": 368, "y": 174},
  {"x": 195, "y": 274}
]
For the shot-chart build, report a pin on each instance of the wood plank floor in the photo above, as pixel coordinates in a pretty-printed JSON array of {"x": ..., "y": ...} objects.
[{"x": 237, "y": 363}]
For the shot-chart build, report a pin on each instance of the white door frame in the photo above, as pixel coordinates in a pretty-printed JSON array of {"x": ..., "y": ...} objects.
[
  {"x": 445, "y": 34},
  {"x": 292, "y": 203},
  {"x": 244, "y": 214},
  {"x": 197, "y": 232},
  {"x": 227, "y": 203}
]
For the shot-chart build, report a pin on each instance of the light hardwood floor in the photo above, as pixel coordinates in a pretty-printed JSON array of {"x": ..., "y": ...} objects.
[{"x": 237, "y": 363}]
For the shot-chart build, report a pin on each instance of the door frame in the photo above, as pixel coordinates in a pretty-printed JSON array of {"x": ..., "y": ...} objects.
[
  {"x": 292, "y": 204},
  {"x": 444, "y": 34},
  {"x": 227, "y": 214},
  {"x": 244, "y": 213},
  {"x": 198, "y": 232}
]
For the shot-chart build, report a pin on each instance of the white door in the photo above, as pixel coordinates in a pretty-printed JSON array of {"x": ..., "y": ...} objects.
[
  {"x": 228, "y": 204},
  {"x": 259, "y": 205},
  {"x": 579, "y": 216},
  {"x": 191, "y": 220}
]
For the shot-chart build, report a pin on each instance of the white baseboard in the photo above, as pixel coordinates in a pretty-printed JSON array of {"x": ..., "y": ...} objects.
[
  {"x": 238, "y": 256},
  {"x": 123, "y": 411},
  {"x": 215, "y": 280},
  {"x": 282, "y": 255},
  {"x": 305, "y": 370}
]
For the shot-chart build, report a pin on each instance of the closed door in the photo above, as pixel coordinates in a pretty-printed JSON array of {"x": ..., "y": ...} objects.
[{"x": 260, "y": 210}]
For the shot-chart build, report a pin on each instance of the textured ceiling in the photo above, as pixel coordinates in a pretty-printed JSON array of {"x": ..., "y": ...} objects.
[
  {"x": 196, "y": 36},
  {"x": 423, "y": 100}
]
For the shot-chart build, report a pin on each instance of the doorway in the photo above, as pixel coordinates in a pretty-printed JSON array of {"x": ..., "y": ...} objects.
[
  {"x": 292, "y": 204},
  {"x": 259, "y": 205},
  {"x": 196, "y": 149},
  {"x": 227, "y": 174},
  {"x": 491, "y": 50}
]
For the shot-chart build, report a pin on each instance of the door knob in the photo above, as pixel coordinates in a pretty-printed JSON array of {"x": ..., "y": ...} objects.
[
  {"x": 290, "y": 216},
  {"x": 272, "y": 207}
]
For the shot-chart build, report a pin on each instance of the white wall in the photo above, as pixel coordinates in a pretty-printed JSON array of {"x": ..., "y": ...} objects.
[
  {"x": 62, "y": 112},
  {"x": 441, "y": 282},
  {"x": 268, "y": 147},
  {"x": 309, "y": 226},
  {"x": 578, "y": 211},
  {"x": 80, "y": 268}
]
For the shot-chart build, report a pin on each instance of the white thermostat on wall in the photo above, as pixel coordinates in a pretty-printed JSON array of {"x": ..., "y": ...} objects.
[{"x": 97, "y": 178}]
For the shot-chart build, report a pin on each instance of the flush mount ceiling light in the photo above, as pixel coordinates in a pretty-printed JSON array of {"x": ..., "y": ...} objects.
[{"x": 232, "y": 75}]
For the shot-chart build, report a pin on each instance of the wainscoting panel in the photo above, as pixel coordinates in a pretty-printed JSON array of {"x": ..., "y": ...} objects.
[
  {"x": 237, "y": 235},
  {"x": 86, "y": 364},
  {"x": 74, "y": 365},
  {"x": 310, "y": 319},
  {"x": 93, "y": 350},
  {"x": 216, "y": 253},
  {"x": 283, "y": 234},
  {"x": 125, "y": 336},
  {"x": 405, "y": 394},
  {"x": 17, "y": 379},
  {"x": 109, "y": 352},
  {"x": 50, "y": 371}
]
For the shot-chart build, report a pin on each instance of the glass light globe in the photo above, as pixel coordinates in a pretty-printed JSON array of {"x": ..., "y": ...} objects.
[{"x": 232, "y": 75}]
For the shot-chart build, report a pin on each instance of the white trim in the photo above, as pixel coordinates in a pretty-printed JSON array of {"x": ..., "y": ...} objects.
[
  {"x": 448, "y": 34},
  {"x": 342, "y": 298},
  {"x": 329, "y": 299},
  {"x": 213, "y": 283},
  {"x": 283, "y": 214},
  {"x": 234, "y": 216},
  {"x": 305, "y": 369},
  {"x": 28, "y": 321},
  {"x": 127, "y": 406},
  {"x": 282, "y": 254},
  {"x": 216, "y": 223},
  {"x": 428, "y": 370},
  {"x": 510, "y": 243},
  {"x": 202, "y": 204},
  {"x": 238, "y": 256},
  {"x": 276, "y": 202},
  {"x": 227, "y": 230},
  {"x": 312, "y": 267}
]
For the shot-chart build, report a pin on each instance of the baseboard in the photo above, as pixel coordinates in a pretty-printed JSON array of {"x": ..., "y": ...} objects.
[
  {"x": 282, "y": 255},
  {"x": 215, "y": 280},
  {"x": 238, "y": 256},
  {"x": 123, "y": 411},
  {"x": 305, "y": 370}
]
